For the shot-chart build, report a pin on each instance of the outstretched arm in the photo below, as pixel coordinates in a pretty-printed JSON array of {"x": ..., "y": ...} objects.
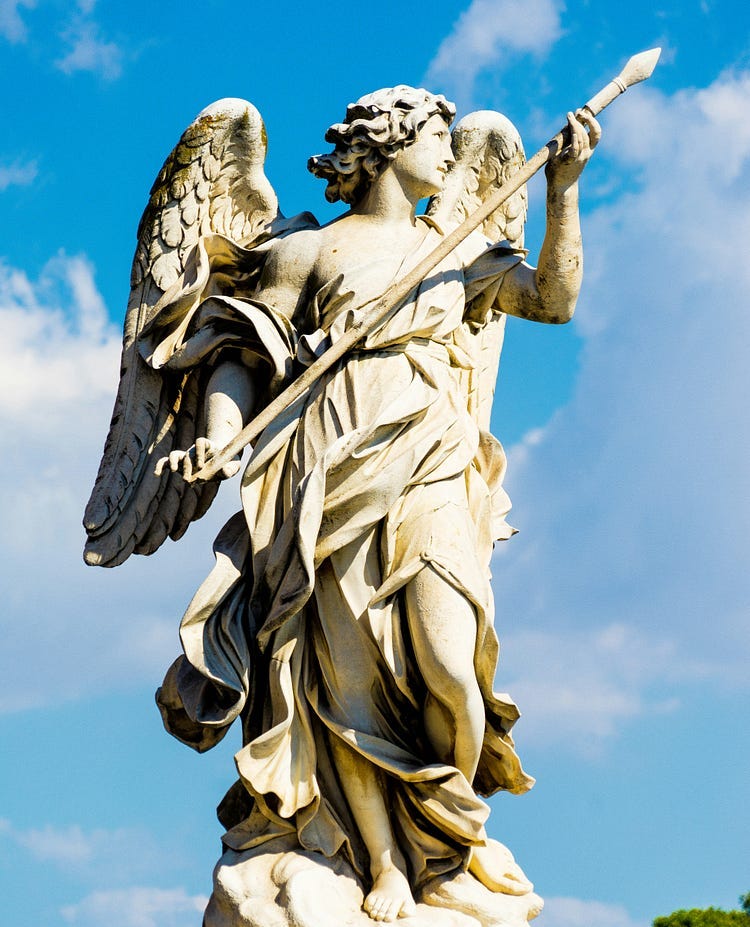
[{"x": 548, "y": 293}]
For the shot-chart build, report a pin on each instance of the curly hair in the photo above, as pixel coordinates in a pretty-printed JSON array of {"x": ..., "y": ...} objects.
[{"x": 375, "y": 129}]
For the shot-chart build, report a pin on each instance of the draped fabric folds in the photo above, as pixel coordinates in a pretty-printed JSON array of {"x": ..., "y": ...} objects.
[{"x": 300, "y": 630}]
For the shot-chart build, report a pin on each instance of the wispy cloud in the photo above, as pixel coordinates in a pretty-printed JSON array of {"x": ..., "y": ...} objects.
[
  {"x": 577, "y": 688},
  {"x": 89, "y": 51},
  {"x": 109, "y": 861},
  {"x": 17, "y": 174},
  {"x": 12, "y": 26},
  {"x": 59, "y": 358},
  {"x": 631, "y": 568},
  {"x": 85, "y": 47},
  {"x": 97, "y": 856},
  {"x": 575, "y": 912},
  {"x": 492, "y": 33},
  {"x": 136, "y": 907},
  {"x": 48, "y": 326},
  {"x": 120, "y": 853},
  {"x": 66, "y": 847}
]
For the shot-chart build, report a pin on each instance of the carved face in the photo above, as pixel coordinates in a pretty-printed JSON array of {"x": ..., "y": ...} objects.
[{"x": 421, "y": 166}]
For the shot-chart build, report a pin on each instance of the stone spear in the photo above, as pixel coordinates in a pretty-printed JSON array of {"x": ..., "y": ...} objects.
[{"x": 638, "y": 68}]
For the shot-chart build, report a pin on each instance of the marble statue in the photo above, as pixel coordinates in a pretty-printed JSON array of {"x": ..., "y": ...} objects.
[{"x": 347, "y": 625}]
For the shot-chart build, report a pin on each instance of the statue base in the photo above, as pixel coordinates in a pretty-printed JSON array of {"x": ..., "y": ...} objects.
[{"x": 280, "y": 885}]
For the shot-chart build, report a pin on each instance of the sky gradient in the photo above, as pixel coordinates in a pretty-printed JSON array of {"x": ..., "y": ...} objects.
[{"x": 623, "y": 603}]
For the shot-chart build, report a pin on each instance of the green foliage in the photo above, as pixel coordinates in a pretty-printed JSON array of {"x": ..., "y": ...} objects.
[{"x": 708, "y": 917}]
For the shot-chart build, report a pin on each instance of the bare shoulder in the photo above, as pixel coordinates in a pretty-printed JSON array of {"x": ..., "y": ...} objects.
[
  {"x": 288, "y": 269},
  {"x": 294, "y": 255}
]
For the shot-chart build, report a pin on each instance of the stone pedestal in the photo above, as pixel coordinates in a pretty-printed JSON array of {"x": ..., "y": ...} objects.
[{"x": 279, "y": 885}]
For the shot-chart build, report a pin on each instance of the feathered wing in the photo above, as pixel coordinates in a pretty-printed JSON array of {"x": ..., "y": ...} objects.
[
  {"x": 212, "y": 183},
  {"x": 488, "y": 151}
]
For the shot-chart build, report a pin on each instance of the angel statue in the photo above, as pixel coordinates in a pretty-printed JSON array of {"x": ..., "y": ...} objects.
[{"x": 348, "y": 621}]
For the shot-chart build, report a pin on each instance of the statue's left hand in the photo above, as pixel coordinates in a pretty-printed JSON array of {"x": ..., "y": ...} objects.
[
  {"x": 565, "y": 166},
  {"x": 187, "y": 462}
]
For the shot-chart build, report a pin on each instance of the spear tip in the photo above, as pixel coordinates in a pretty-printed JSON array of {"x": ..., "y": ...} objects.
[{"x": 640, "y": 67}]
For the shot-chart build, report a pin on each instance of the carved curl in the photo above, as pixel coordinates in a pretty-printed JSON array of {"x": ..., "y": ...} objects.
[{"x": 376, "y": 127}]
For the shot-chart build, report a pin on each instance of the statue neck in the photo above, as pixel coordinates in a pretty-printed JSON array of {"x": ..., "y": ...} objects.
[{"x": 387, "y": 200}]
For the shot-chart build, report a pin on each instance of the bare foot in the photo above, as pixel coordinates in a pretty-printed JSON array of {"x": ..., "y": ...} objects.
[
  {"x": 496, "y": 869},
  {"x": 390, "y": 897}
]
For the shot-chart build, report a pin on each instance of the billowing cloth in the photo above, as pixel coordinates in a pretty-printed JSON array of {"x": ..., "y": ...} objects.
[{"x": 300, "y": 630}]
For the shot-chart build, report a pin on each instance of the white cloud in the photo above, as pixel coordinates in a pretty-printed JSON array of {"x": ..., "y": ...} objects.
[
  {"x": 489, "y": 33},
  {"x": 89, "y": 51},
  {"x": 17, "y": 174},
  {"x": 136, "y": 907},
  {"x": 100, "y": 859},
  {"x": 86, "y": 48},
  {"x": 44, "y": 345},
  {"x": 574, "y": 912},
  {"x": 577, "y": 687},
  {"x": 98, "y": 856},
  {"x": 109, "y": 862},
  {"x": 66, "y": 847},
  {"x": 633, "y": 501},
  {"x": 70, "y": 630},
  {"x": 12, "y": 26}
]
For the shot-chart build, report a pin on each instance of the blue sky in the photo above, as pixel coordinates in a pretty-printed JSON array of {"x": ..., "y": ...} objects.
[{"x": 623, "y": 604}]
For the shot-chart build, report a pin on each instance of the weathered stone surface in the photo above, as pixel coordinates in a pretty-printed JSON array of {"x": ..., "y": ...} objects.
[
  {"x": 348, "y": 622},
  {"x": 286, "y": 887}
]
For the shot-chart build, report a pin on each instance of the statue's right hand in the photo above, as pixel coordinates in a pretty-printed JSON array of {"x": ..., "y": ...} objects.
[{"x": 185, "y": 463}]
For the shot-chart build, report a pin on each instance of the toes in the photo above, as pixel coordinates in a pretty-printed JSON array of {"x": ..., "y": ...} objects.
[
  {"x": 391, "y": 910},
  {"x": 390, "y": 898},
  {"x": 373, "y": 905},
  {"x": 382, "y": 908}
]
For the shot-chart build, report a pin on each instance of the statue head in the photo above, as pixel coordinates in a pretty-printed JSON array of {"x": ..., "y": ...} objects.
[{"x": 375, "y": 129}]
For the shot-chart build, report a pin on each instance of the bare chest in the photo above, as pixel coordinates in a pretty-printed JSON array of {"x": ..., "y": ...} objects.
[
  {"x": 303, "y": 264},
  {"x": 344, "y": 250}
]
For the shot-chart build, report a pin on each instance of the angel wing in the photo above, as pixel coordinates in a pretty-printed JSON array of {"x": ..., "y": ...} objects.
[
  {"x": 488, "y": 151},
  {"x": 212, "y": 183}
]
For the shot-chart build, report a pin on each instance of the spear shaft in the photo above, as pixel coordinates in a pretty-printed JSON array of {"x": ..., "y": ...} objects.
[{"x": 638, "y": 68}]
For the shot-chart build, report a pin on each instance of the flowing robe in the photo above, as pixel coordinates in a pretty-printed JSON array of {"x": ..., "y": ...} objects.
[{"x": 379, "y": 472}]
